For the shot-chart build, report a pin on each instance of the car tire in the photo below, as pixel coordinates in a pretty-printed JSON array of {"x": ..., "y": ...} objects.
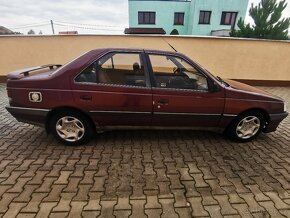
[
  {"x": 246, "y": 126},
  {"x": 71, "y": 128}
]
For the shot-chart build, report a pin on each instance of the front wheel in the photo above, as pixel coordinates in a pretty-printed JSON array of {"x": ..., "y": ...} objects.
[
  {"x": 71, "y": 128},
  {"x": 246, "y": 126}
]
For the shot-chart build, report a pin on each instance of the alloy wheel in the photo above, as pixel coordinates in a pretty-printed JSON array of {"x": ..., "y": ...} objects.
[
  {"x": 70, "y": 129},
  {"x": 248, "y": 127}
]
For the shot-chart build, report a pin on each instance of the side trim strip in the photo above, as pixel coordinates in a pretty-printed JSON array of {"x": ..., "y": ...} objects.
[
  {"x": 26, "y": 108},
  {"x": 229, "y": 115},
  {"x": 120, "y": 112},
  {"x": 154, "y": 113},
  {"x": 186, "y": 114}
]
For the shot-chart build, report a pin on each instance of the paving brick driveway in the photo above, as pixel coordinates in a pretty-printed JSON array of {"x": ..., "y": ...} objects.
[{"x": 143, "y": 173}]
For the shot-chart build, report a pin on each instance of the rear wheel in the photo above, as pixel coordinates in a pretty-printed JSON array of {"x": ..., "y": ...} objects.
[
  {"x": 246, "y": 126},
  {"x": 71, "y": 128}
]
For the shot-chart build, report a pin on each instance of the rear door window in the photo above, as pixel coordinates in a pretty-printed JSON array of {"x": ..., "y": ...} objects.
[{"x": 125, "y": 69}]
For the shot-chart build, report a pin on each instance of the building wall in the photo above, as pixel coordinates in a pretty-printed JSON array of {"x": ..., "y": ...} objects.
[
  {"x": 165, "y": 14},
  {"x": 217, "y": 7},
  {"x": 226, "y": 57}
]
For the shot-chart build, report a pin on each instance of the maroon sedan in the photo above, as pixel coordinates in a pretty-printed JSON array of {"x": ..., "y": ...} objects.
[{"x": 135, "y": 88}]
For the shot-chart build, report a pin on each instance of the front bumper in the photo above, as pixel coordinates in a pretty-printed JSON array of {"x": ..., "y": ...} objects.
[
  {"x": 275, "y": 120},
  {"x": 33, "y": 116}
]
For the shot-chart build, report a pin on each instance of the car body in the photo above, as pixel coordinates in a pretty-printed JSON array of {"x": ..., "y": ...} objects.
[{"x": 135, "y": 88}]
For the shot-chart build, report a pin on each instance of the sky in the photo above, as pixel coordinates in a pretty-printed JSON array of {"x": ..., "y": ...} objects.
[{"x": 84, "y": 16}]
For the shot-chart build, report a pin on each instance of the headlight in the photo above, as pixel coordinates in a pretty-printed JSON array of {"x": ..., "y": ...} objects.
[{"x": 285, "y": 107}]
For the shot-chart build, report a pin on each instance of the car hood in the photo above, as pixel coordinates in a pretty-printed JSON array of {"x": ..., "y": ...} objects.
[{"x": 247, "y": 91}]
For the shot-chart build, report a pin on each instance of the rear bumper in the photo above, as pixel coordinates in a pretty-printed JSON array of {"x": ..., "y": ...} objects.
[
  {"x": 275, "y": 120},
  {"x": 33, "y": 116}
]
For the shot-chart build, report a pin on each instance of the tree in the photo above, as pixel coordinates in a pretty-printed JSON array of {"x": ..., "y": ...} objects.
[
  {"x": 174, "y": 32},
  {"x": 31, "y": 32},
  {"x": 268, "y": 23},
  {"x": 40, "y": 32}
]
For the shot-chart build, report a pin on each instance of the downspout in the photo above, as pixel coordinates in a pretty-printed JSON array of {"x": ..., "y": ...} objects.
[{"x": 193, "y": 16}]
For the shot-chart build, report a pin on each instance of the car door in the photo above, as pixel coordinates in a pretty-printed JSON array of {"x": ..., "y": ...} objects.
[
  {"x": 181, "y": 94},
  {"x": 115, "y": 90}
]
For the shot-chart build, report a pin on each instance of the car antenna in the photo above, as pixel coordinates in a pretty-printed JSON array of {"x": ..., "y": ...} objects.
[{"x": 170, "y": 45}]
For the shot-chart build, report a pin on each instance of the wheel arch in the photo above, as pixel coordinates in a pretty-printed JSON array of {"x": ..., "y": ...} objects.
[
  {"x": 231, "y": 129},
  {"x": 66, "y": 108},
  {"x": 260, "y": 110},
  {"x": 256, "y": 109}
]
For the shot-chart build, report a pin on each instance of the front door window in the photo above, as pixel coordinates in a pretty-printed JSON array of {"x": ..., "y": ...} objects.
[{"x": 176, "y": 73}]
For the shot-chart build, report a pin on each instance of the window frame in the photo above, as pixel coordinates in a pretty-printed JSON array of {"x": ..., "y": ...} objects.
[
  {"x": 148, "y": 12},
  {"x": 223, "y": 16},
  {"x": 142, "y": 58},
  {"x": 153, "y": 80},
  {"x": 178, "y": 16},
  {"x": 203, "y": 18}
]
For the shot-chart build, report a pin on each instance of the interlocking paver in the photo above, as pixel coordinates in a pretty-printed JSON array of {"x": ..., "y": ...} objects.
[
  {"x": 14, "y": 209},
  {"x": 226, "y": 207},
  {"x": 33, "y": 204},
  {"x": 76, "y": 209},
  {"x": 64, "y": 203},
  {"x": 6, "y": 200},
  {"x": 143, "y": 173},
  {"x": 279, "y": 203},
  {"x": 214, "y": 210},
  {"x": 138, "y": 208},
  {"x": 152, "y": 199},
  {"x": 107, "y": 208},
  {"x": 90, "y": 214},
  {"x": 168, "y": 208},
  {"x": 272, "y": 211},
  {"x": 197, "y": 207},
  {"x": 45, "y": 209},
  {"x": 94, "y": 201},
  {"x": 122, "y": 213},
  {"x": 153, "y": 213}
]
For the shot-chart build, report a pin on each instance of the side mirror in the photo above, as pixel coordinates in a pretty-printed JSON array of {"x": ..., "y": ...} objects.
[{"x": 213, "y": 87}]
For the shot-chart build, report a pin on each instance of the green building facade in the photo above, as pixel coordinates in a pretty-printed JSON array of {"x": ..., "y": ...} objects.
[{"x": 195, "y": 17}]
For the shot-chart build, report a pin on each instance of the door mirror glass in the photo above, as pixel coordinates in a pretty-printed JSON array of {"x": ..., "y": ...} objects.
[{"x": 213, "y": 87}]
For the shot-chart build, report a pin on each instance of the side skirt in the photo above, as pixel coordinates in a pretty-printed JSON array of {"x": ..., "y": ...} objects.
[{"x": 109, "y": 128}]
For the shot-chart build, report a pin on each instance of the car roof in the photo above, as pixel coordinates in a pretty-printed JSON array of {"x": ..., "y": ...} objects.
[{"x": 104, "y": 50}]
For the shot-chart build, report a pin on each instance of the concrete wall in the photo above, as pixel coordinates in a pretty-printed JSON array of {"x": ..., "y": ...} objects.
[{"x": 228, "y": 58}]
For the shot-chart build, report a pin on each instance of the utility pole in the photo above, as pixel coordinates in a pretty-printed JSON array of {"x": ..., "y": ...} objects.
[{"x": 52, "y": 27}]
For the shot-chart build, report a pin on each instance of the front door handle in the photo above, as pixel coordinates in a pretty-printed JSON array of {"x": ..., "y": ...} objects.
[
  {"x": 163, "y": 101},
  {"x": 86, "y": 97}
]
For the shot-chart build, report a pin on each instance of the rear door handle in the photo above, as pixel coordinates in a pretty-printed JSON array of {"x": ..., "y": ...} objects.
[
  {"x": 86, "y": 97},
  {"x": 163, "y": 101}
]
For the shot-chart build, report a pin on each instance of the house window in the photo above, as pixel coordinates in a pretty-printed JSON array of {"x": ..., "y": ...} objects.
[
  {"x": 178, "y": 18},
  {"x": 229, "y": 18},
  {"x": 204, "y": 17},
  {"x": 146, "y": 17}
]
